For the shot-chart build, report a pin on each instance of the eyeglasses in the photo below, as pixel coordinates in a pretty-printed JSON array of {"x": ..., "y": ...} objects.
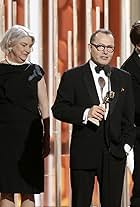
[{"x": 101, "y": 47}]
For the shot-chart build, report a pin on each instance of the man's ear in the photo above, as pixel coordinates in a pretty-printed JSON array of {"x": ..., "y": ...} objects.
[{"x": 89, "y": 47}]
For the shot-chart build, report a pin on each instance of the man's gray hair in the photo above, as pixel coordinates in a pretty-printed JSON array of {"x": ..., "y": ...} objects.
[
  {"x": 101, "y": 30},
  {"x": 13, "y": 35}
]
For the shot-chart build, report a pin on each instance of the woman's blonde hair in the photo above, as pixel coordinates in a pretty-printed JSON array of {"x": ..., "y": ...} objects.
[{"x": 13, "y": 35}]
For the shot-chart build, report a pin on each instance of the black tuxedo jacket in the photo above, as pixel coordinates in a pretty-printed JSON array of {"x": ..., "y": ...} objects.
[
  {"x": 76, "y": 93},
  {"x": 132, "y": 65}
]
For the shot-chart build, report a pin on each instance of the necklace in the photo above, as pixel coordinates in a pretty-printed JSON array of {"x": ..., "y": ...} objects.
[{"x": 13, "y": 63}]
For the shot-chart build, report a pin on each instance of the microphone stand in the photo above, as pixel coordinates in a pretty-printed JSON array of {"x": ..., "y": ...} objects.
[{"x": 107, "y": 71}]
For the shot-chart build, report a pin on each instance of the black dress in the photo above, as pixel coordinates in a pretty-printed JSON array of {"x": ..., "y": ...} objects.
[{"x": 21, "y": 130}]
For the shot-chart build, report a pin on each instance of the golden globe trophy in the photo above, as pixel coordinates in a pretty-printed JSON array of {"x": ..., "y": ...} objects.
[{"x": 107, "y": 99}]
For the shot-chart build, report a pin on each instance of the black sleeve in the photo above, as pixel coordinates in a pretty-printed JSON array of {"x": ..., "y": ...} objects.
[
  {"x": 65, "y": 107},
  {"x": 129, "y": 131},
  {"x": 39, "y": 72}
]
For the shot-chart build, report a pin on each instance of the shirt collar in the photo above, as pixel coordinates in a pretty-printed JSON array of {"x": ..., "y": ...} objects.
[{"x": 92, "y": 66}]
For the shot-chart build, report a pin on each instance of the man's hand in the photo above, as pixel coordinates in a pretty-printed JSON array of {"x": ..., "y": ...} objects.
[{"x": 96, "y": 112}]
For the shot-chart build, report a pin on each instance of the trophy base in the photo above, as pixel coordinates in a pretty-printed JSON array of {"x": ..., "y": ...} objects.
[{"x": 94, "y": 121}]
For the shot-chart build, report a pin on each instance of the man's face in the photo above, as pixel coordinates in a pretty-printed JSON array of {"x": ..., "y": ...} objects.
[{"x": 102, "y": 48}]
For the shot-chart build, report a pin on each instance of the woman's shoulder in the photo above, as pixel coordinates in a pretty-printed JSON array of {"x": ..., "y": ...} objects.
[
  {"x": 3, "y": 61},
  {"x": 3, "y": 66},
  {"x": 4, "y": 70},
  {"x": 36, "y": 71}
]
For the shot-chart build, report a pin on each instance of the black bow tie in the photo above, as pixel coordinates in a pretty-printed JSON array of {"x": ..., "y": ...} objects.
[
  {"x": 105, "y": 68},
  {"x": 99, "y": 68}
]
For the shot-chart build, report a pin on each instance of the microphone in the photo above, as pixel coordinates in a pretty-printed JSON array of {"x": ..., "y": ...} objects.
[
  {"x": 107, "y": 70},
  {"x": 109, "y": 97},
  {"x": 101, "y": 82}
]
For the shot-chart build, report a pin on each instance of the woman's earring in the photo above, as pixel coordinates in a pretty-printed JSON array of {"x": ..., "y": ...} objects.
[{"x": 10, "y": 49}]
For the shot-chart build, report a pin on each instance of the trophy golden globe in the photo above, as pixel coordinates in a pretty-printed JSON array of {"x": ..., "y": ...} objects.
[{"x": 107, "y": 99}]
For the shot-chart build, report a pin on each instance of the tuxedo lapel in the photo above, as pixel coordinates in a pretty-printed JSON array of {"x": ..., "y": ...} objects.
[{"x": 90, "y": 84}]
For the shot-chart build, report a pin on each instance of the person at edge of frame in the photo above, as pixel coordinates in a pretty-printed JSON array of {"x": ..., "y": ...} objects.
[{"x": 132, "y": 65}]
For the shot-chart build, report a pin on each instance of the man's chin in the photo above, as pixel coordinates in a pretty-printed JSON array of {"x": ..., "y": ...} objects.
[{"x": 104, "y": 62}]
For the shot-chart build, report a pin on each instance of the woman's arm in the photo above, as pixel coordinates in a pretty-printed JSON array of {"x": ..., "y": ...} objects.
[
  {"x": 43, "y": 98},
  {"x": 44, "y": 109}
]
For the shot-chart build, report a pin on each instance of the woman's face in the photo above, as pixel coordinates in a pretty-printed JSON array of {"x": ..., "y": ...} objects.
[{"x": 21, "y": 50}]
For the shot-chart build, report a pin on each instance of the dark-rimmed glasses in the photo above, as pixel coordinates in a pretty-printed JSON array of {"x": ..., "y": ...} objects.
[{"x": 101, "y": 47}]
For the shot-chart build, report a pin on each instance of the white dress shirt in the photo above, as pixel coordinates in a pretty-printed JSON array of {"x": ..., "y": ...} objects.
[{"x": 106, "y": 88}]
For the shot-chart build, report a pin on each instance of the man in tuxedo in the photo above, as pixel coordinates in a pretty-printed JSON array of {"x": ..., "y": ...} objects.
[
  {"x": 132, "y": 65},
  {"x": 103, "y": 133}
]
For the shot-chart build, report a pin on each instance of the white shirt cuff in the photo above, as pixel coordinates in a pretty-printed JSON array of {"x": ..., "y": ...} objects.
[
  {"x": 85, "y": 116},
  {"x": 127, "y": 148}
]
